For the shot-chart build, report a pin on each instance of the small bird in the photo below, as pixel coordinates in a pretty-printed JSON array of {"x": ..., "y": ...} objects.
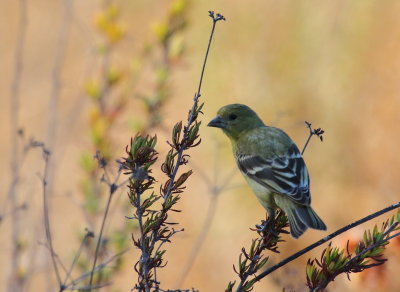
[{"x": 271, "y": 164}]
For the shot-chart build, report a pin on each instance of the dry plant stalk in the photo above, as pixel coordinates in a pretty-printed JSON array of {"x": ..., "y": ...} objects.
[
  {"x": 367, "y": 254},
  {"x": 155, "y": 229}
]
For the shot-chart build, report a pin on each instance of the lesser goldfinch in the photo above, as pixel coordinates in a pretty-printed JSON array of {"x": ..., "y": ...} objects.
[{"x": 272, "y": 165}]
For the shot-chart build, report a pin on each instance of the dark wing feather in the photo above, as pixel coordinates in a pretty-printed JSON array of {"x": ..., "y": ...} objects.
[{"x": 286, "y": 175}]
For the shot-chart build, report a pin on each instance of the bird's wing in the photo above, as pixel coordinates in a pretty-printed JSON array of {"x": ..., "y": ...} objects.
[{"x": 286, "y": 174}]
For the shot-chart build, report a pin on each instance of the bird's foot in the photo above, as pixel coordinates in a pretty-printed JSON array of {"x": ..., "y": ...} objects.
[{"x": 266, "y": 226}]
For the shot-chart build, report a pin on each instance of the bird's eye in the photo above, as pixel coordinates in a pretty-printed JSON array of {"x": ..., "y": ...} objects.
[{"x": 232, "y": 117}]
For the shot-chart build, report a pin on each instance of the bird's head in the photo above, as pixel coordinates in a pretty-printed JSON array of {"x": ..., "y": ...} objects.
[{"x": 235, "y": 119}]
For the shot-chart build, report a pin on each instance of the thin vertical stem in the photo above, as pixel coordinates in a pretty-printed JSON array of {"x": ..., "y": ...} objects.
[
  {"x": 55, "y": 91},
  {"x": 68, "y": 275},
  {"x": 178, "y": 162},
  {"x": 194, "y": 107},
  {"x": 145, "y": 255},
  {"x": 306, "y": 144},
  {"x": 46, "y": 216},
  {"x": 96, "y": 254},
  {"x": 14, "y": 284},
  {"x": 206, "y": 57},
  {"x": 317, "y": 132}
]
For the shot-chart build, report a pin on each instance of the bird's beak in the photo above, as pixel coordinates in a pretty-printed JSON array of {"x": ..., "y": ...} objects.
[{"x": 217, "y": 122}]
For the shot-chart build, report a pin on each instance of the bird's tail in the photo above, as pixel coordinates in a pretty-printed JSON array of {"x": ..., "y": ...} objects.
[{"x": 302, "y": 217}]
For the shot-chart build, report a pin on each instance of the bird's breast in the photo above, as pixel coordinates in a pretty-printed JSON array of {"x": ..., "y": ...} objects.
[{"x": 264, "y": 195}]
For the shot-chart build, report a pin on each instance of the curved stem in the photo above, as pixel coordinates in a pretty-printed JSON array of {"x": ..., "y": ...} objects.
[
  {"x": 96, "y": 254},
  {"x": 325, "y": 239},
  {"x": 46, "y": 215},
  {"x": 12, "y": 195}
]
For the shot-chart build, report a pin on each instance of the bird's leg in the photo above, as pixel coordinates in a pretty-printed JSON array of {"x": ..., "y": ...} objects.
[
  {"x": 271, "y": 214},
  {"x": 267, "y": 225},
  {"x": 263, "y": 226}
]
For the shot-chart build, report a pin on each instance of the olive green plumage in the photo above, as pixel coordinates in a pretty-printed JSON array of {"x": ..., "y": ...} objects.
[{"x": 271, "y": 164}]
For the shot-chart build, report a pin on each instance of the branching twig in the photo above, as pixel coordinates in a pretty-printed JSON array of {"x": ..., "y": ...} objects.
[
  {"x": 194, "y": 111},
  {"x": 54, "y": 257},
  {"x": 113, "y": 186},
  {"x": 88, "y": 234},
  {"x": 154, "y": 228},
  {"x": 317, "y": 132},
  {"x": 179, "y": 290},
  {"x": 46, "y": 157},
  {"x": 99, "y": 240},
  {"x": 251, "y": 261},
  {"x": 72, "y": 284},
  {"x": 325, "y": 239},
  {"x": 368, "y": 254}
]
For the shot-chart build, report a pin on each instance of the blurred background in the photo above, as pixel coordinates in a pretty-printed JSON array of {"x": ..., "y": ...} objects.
[{"x": 86, "y": 76}]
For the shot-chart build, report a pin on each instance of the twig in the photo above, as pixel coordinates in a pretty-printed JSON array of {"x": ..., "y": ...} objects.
[
  {"x": 13, "y": 284},
  {"x": 353, "y": 264},
  {"x": 215, "y": 18},
  {"x": 145, "y": 256},
  {"x": 113, "y": 187},
  {"x": 179, "y": 290},
  {"x": 197, "y": 95},
  {"x": 249, "y": 273},
  {"x": 252, "y": 260},
  {"x": 46, "y": 157},
  {"x": 76, "y": 257},
  {"x": 84, "y": 288},
  {"x": 57, "y": 257},
  {"x": 317, "y": 132},
  {"x": 18, "y": 208},
  {"x": 153, "y": 225},
  {"x": 323, "y": 240},
  {"x": 211, "y": 210},
  {"x": 61, "y": 48},
  {"x": 72, "y": 283},
  {"x": 192, "y": 115}
]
